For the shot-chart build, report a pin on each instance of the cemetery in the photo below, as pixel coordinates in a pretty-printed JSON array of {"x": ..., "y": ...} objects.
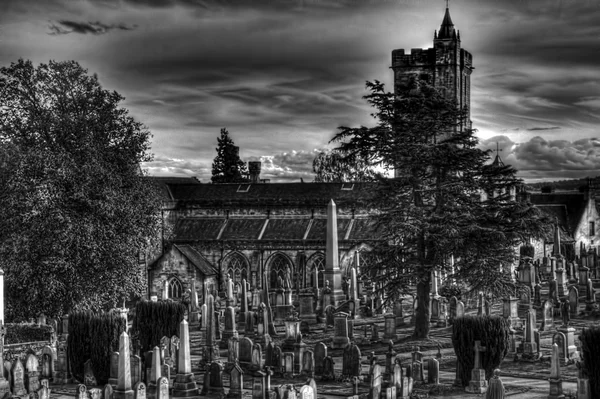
[{"x": 338, "y": 342}]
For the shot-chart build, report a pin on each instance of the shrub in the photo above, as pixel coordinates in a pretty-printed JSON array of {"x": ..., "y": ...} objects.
[
  {"x": 27, "y": 332},
  {"x": 492, "y": 331},
  {"x": 448, "y": 290},
  {"x": 154, "y": 320},
  {"x": 93, "y": 336},
  {"x": 590, "y": 351}
]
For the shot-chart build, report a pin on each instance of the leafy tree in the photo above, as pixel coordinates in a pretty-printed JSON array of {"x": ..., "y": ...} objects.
[
  {"x": 432, "y": 211},
  {"x": 334, "y": 166},
  {"x": 75, "y": 208},
  {"x": 227, "y": 166}
]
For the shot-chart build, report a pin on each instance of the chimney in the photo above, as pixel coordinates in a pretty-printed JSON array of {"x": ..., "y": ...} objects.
[{"x": 254, "y": 171}]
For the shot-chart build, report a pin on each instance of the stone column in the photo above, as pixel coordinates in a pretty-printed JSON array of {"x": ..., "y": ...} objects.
[
  {"x": 124, "y": 390},
  {"x": 185, "y": 384},
  {"x": 556, "y": 391},
  {"x": 332, "y": 271}
]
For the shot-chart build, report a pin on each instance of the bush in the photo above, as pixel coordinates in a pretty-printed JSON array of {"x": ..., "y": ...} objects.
[
  {"x": 27, "y": 332},
  {"x": 448, "y": 290},
  {"x": 93, "y": 336},
  {"x": 492, "y": 331},
  {"x": 154, "y": 320},
  {"x": 590, "y": 351}
]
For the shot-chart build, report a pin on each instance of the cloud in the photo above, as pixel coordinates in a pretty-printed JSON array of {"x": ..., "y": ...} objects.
[
  {"x": 287, "y": 166},
  {"x": 543, "y": 128},
  {"x": 549, "y": 159},
  {"x": 96, "y": 28}
]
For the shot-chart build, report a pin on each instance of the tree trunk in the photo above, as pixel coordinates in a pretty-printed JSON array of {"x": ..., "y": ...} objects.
[{"x": 422, "y": 314}]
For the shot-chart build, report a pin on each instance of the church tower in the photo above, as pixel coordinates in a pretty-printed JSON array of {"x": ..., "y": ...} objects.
[{"x": 447, "y": 66}]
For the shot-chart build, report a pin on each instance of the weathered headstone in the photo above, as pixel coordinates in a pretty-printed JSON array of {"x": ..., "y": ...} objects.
[
  {"x": 236, "y": 382},
  {"x": 81, "y": 392},
  {"x": 18, "y": 379},
  {"x": 320, "y": 355},
  {"x": 139, "y": 390},
  {"x": 433, "y": 371},
  {"x": 340, "y": 338},
  {"x": 216, "y": 378},
  {"x": 114, "y": 369},
  {"x": 136, "y": 370},
  {"x": 44, "y": 391},
  {"x": 95, "y": 393},
  {"x": 245, "y": 355},
  {"x": 88, "y": 374},
  {"x": 328, "y": 369},
  {"x": 258, "y": 386},
  {"x": 123, "y": 390},
  {"x": 163, "y": 388},
  {"x": 185, "y": 384},
  {"x": 556, "y": 391},
  {"x": 48, "y": 358},
  {"x": 108, "y": 391},
  {"x": 306, "y": 392},
  {"x": 308, "y": 364},
  {"x": 31, "y": 366},
  {"x": 478, "y": 383},
  {"x": 417, "y": 365},
  {"x": 574, "y": 300},
  {"x": 376, "y": 380},
  {"x": 547, "y": 316}
]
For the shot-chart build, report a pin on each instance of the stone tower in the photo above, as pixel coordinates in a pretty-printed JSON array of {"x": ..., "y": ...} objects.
[{"x": 446, "y": 65}]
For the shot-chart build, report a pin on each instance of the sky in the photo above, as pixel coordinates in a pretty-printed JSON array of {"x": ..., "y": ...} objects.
[{"x": 283, "y": 75}]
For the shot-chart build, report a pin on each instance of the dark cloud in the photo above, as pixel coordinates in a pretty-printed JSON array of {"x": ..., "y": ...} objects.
[
  {"x": 63, "y": 27},
  {"x": 544, "y": 128},
  {"x": 550, "y": 159}
]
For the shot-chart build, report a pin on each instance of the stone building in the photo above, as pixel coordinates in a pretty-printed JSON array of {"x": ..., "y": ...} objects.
[
  {"x": 446, "y": 65},
  {"x": 243, "y": 230}
]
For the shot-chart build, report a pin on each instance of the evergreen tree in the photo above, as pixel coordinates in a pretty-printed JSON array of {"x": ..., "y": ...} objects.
[
  {"x": 432, "y": 211},
  {"x": 75, "y": 209},
  {"x": 227, "y": 166},
  {"x": 334, "y": 166}
]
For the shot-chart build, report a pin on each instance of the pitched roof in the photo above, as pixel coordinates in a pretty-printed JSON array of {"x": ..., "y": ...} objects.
[
  {"x": 197, "y": 259},
  {"x": 273, "y": 194},
  {"x": 567, "y": 207},
  {"x": 165, "y": 182}
]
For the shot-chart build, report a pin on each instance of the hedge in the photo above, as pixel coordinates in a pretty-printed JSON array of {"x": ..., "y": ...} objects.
[
  {"x": 27, "y": 332},
  {"x": 154, "y": 320},
  {"x": 93, "y": 336},
  {"x": 492, "y": 331},
  {"x": 590, "y": 351}
]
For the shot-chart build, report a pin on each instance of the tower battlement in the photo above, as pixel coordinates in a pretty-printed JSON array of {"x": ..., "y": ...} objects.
[{"x": 445, "y": 65}]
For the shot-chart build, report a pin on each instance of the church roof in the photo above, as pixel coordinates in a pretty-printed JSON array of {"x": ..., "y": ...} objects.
[
  {"x": 273, "y": 194},
  {"x": 567, "y": 207},
  {"x": 197, "y": 259},
  {"x": 447, "y": 28}
]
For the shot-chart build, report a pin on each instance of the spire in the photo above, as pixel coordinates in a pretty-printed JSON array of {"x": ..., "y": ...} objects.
[{"x": 447, "y": 28}]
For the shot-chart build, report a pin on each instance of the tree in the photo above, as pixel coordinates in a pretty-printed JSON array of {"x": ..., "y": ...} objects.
[
  {"x": 334, "y": 166},
  {"x": 75, "y": 208},
  {"x": 431, "y": 214},
  {"x": 227, "y": 166}
]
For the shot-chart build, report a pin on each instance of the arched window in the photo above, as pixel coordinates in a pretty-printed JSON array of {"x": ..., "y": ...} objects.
[
  {"x": 237, "y": 268},
  {"x": 175, "y": 288},
  {"x": 279, "y": 265},
  {"x": 317, "y": 269}
]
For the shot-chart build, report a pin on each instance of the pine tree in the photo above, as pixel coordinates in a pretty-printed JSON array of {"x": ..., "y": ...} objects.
[
  {"x": 432, "y": 210},
  {"x": 336, "y": 167},
  {"x": 227, "y": 166}
]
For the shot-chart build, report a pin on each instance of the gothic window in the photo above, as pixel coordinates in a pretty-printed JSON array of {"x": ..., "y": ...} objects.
[
  {"x": 175, "y": 288},
  {"x": 279, "y": 265},
  {"x": 317, "y": 269},
  {"x": 237, "y": 268}
]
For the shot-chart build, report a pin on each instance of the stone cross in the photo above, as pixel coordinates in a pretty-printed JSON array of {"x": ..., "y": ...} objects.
[{"x": 478, "y": 349}]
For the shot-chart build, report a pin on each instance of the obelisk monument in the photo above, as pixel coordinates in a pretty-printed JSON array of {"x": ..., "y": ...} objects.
[{"x": 332, "y": 272}]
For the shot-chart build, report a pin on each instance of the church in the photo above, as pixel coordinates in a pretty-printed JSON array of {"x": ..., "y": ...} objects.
[
  {"x": 242, "y": 231},
  {"x": 212, "y": 231}
]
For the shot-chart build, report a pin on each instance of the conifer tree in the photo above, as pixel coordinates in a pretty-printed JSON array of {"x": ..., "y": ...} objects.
[
  {"x": 335, "y": 167},
  {"x": 432, "y": 214},
  {"x": 227, "y": 166}
]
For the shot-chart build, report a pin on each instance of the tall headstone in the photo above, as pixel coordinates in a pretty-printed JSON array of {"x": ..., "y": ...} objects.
[
  {"x": 243, "y": 306},
  {"x": 332, "y": 271},
  {"x": 163, "y": 388},
  {"x": 18, "y": 379},
  {"x": 123, "y": 390},
  {"x": 114, "y": 369},
  {"x": 236, "y": 382},
  {"x": 376, "y": 380},
  {"x": 320, "y": 355},
  {"x": 556, "y": 391},
  {"x": 33, "y": 374},
  {"x": 155, "y": 373},
  {"x": 184, "y": 384},
  {"x": 389, "y": 329}
]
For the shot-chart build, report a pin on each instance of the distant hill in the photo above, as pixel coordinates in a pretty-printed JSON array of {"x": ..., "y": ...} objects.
[{"x": 560, "y": 185}]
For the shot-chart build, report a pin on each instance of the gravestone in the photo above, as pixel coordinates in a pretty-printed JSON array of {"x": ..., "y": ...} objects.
[
  {"x": 556, "y": 390},
  {"x": 258, "y": 386},
  {"x": 236, "y": 382},
  {"x": 547, "y": 316},
  {"x": 136, "y": 370},
  {"x": 233, "y": 350},
  {"x": 88, "y": 374},
  {"x": 433, "y": 371},
  {"x": 256, "y": 361},
  {"x": 376, "y": 379},
  {"x": 478, "y": 383},
  {"x": 163, "y": 388},
  {"x": 389, "y": 329},
  {"x": 308, "y": 364},
  {"x": 559, "y": 339},
  {"x": 95, "y": 393},
  {"x": 108, "y": 391},
  {"x": 328, "y": 369},
  {"x": 417, "y": 365},
  {"x": 32, "y": 377},
  {"x": 288, "y": 364},
  {"x": 114, "y": 369},
  {"x": 48, "y": 359},
  {"x": 44, "y": 391},
  {"x": 216, "y": 378},
  {"x": 245, "y": 355},
  {"x": 139, "y": 390},
  {"x": 573, "y": 300},
  {"x": 340, "y": 338},
  {"x": 320, "y": 355},
  {"x": 155, "y": 373},
  {"x": 81, "y": 392},
  {"x": 306, "y": 392},
  {"x": 123, "y": 390},
  {"x": 185, "y": 384},
  {"x": 18, "y": 379}
]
